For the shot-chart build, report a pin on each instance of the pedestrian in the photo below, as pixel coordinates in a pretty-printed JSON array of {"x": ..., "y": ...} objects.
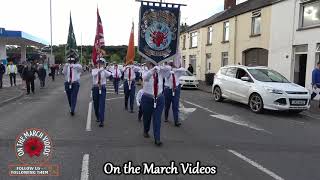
[
  {"x": 28, "y": 73},
  {"x": 129, "y": 85},
  {"x": 138, "y": 99},
  {"x": 190, "y": 69},
  {"x": 72, "y": 72},
  {"x": 116, "y": 75},
  {"x": 153, "y": 100},
  {"x": 172, "y": 92},
  {"x": 42, "y": 73},
  {"x": 99, "y": 77},
  {"x": 315, "y": 81},
  {"x": 2, "y": 72},
  {"x": 53, "y": 72},
  {"x": 12, "y": 72}
]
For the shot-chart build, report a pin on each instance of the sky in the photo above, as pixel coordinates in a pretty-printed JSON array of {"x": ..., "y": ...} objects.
[{"x": 33, "y": 17}]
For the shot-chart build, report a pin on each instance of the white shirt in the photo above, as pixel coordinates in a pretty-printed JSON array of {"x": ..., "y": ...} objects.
[
  {"x": 76, "y": 72},
  {"x": 139, "y": 96},
  {"x": 177, "y": 73},
  {"x": 116, "y": 72},
  {"x": 148, "y": 79},
  {"x": 104, "y": 75},
  {"x": 12, "y": 68},
  {"x": 133, "y": 70}
]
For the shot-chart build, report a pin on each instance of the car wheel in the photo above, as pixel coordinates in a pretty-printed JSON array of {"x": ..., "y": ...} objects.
[
  {"x": 217, "y": 94},
  {"x": 256, "y": 103}
]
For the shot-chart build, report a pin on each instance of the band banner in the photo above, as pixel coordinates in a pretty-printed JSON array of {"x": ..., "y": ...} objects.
[{"x": 158, "y": 31}]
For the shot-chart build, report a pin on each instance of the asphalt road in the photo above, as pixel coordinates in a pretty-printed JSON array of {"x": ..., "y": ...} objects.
[{"x": 242, "y": 145}]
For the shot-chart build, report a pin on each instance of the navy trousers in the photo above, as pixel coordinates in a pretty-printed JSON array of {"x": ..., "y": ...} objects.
[
  {"x": 72, "y": 94},
  {"x": 174, "y": 100},
  {"x": 140, "y": 113},
  {"x": 116, "y": 85},
  {"x": 129, "y": 94},
  {"x": 99, "y": 102},
  {"x": 150, "y": 112}
]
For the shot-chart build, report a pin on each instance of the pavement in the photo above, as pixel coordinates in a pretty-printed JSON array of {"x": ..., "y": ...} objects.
[{"x": 243, "y": 145}]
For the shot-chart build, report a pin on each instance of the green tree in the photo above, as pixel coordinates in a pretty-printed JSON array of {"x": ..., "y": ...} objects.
[{"x": 115, "y": 58}]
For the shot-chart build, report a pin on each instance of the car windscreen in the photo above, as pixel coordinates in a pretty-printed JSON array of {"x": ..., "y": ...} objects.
[
  {"x": 267, "y": 75},
  {"x": 187, "y": 73}
]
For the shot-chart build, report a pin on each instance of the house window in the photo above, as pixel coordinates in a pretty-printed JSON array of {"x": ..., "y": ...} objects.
[
  {"x": 194, "y": 40},
  {"x": 226, "y": 31},
  {"x": 209, "y": 36},
  {"x": 208, "y": 62},
  {"x": 224, "y": 59},
  {"x": 256, "y": 23},
  {"x": 310, "y": 14},
  {"x": 184, "y": 41}
]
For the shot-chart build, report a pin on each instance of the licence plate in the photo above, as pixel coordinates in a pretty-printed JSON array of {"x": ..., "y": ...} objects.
[{"x": 298, "y": 102}]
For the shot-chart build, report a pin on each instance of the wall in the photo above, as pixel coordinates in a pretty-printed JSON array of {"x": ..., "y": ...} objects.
[{"x": 284, "y": 36}]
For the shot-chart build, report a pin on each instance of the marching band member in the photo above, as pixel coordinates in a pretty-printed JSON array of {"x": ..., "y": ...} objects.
[
  {"x": 72, "y": 71},
  {"x": 130, "y": 84},
  {"x": 172, "y": 92},
  {"x": 153, "y": 99},
  {"x": 138, "y": 99},
  {"x": 116, "y": 74},
  {"x": 99, "y": 77}
]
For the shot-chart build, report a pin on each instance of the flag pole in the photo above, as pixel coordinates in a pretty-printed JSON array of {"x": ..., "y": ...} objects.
[
  {"x": 50, "y": 29},
  {"x": 81, "y": 50}
]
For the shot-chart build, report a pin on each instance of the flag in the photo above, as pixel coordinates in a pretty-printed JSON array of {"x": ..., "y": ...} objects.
[
  {"x": 97, "y": 52},
  {"x": 71, "y": 48},
  {"x": 131, "y": 48}
]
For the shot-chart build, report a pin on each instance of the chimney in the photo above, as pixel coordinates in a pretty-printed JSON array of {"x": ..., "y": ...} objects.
[{"x": 229, "y": 4}]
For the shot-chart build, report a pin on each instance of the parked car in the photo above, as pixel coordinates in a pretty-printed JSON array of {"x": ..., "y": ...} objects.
[
  {"x": 261, "y": 88},
  {"x": 188, "y": 80}
]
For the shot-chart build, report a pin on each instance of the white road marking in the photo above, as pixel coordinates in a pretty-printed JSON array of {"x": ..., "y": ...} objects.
[
  {"x": 88, "y": 127},
  {"x": 114, "y": 98},
  {"x": 201, "y": 107},
  {"x": 115, "y": 93},
  {"x": 233, "y": 119},
  {"x": 185, "y": 112},
  {"x": 260, "y": 167},
  {"x": 90, "y": 94},
  {"x": 85, "y": 167}
]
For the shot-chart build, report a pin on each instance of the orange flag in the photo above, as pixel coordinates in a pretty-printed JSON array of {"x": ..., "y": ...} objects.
[{"x": 131, "y": 48}]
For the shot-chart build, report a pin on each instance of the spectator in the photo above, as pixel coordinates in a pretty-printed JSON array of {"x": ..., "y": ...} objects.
[
  {"x": 12, "y": 72},
  {"x": 42, "y": 73},
  {"x": 315, "y": 81},
  {"x": 28, "y": 74},
  {"x": 53, "y": 72},
  {"x": 190, "y": 68},
  {"x": 2, "y": 71}
]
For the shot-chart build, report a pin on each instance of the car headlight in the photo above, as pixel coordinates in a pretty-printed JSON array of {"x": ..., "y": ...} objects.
[{"x": 273, "y": 91}]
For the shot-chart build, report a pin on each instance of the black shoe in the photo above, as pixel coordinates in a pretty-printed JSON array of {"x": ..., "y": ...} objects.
[
  {"x": 146, "y": 135},
  {"x": 177, "y": 124},
  {"x": 166, "y": 120},
  {"x": 28, "y": 93},
  {"x": 72, "y": 113},
  {"x": 158, "y": 143},
  {"x": 101, "y": 125}
]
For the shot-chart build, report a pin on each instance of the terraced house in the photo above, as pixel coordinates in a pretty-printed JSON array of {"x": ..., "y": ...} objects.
[{"x": 238, "y": 35}]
